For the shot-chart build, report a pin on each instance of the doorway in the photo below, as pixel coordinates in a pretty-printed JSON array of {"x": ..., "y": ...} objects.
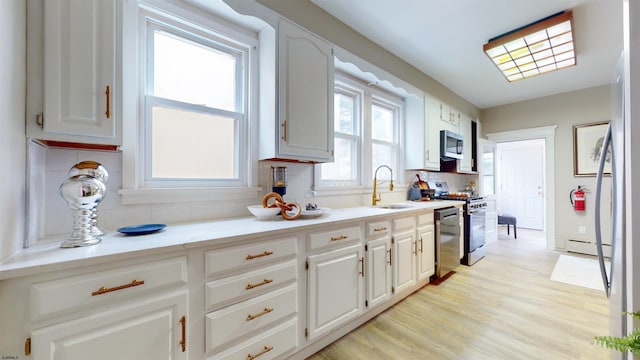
[
  {"x": 547, "y": 133},
  {"x": 520, "y": 177}
]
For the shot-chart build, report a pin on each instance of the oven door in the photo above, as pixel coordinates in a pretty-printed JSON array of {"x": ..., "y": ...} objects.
[
  {"x": 474, "y": 236},
  {"x": 477, "y": 229}
]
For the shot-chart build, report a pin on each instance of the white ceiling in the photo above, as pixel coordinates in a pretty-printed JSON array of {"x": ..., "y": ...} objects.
[{"x": 444, "y": 39}]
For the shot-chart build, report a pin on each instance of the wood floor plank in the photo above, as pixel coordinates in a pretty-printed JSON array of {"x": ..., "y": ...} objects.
[{"x": 503, "y": 307}]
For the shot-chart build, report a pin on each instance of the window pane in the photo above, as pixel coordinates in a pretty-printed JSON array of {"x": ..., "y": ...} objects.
[
  {"x": 382, "y": 124},
  {"x": 194, "y": 73},
  {"x": 345, "y": 112},
  {"x": 382, "y": 155},
  {"x": 189, "y": 145},
  {"x": 344, "y": 166}
]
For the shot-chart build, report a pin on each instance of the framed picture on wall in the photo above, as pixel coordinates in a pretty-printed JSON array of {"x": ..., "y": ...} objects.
[{"x": 587, "y": 145}]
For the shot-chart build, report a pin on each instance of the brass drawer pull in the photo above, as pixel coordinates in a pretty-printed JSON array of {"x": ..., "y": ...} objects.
[
  {"x": 266, "y": 253},
  {"x": 264, "y": 282},
  {"x": 104, "y": 290},
  {"x": 263, "y": 312},
  {"x": 108, "y": 95},
  {"x": 384, "y": 228},
  {"x": 183, "y": 341},
  {"x": 341, "y": 237},
  {"x": 266, "y": 349}
]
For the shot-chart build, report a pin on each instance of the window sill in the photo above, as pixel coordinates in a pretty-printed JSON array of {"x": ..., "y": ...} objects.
[{"x": 164, "y": 196}]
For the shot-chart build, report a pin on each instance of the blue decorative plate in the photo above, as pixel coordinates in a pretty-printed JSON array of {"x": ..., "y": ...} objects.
[{"x": 141, "y": 229}]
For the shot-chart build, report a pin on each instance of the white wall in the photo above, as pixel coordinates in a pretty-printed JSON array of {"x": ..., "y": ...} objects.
[
  {"x": 12, "y": 112},
  {"x": 564, "y": 110}
]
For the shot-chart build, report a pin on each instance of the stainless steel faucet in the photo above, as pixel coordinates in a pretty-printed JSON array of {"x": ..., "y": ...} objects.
[{"x": 374, "y": 199}]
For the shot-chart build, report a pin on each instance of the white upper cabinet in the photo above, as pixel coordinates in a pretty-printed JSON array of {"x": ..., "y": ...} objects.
[
  {"x": 422, "y": 134},
  {"x": 449, "y": 117},
  {"x": 464, "y": 165},
  {"x": 79, "y": 99},
  {"x": 303, "y": 129}
]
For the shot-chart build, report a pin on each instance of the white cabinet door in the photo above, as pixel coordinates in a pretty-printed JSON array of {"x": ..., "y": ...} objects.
[
  {"x": 432, "y": 135},
  {"x": 465, "y": 130},
  {"x": 426, "y": 252},
  {"x": 79, "y": 71},
  {"x": 404, "y": 250},
  {"x": 305, "y": 66},
  {"x": 148, "y": 329},
  {"x": 335, "y": 289},
  {"x": 378, "y": 271}
]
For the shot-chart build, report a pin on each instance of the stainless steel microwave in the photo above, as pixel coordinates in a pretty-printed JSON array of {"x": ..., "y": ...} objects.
[{"x": 451, "y": 145}]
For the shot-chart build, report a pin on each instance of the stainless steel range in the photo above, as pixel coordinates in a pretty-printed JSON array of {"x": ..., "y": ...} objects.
[{"x": 474, "y": 221}]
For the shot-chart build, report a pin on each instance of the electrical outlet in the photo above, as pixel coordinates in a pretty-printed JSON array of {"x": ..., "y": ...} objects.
[{"x": 582, "y": 230}]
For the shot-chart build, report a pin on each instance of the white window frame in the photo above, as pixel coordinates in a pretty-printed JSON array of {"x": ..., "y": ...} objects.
[
  {"x": 135, "y": 187},
  {"x": 369, "y": 94}
]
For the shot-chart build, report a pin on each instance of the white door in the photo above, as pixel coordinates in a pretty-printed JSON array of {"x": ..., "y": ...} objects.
[
  {"x": 335, "y": 289},
  {"x": 426, "y": 252},
  {"x": 404, "y": 273},
  {"x": 378, "y": 270},
  {"x": 79, "y": 69},
  {"x": 148, "y": 329},
  {"x": 520, "y": 181},
  {"x": 306, "y": 95}
]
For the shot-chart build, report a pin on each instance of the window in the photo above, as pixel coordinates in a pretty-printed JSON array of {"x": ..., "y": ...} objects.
[
  {"x": 194, "y": 94},
  {"x": 367, "y": 121}
]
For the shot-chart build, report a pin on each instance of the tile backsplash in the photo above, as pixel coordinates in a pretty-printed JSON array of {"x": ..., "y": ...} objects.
[{"x": 50, "y": 217}]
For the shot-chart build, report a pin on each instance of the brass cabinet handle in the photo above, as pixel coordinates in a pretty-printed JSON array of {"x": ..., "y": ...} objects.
[
  {"x": 389, "y": 262},
  {"x": 183, "y": 341},
  {"x": 263, "y": 312},
  {"x": 284, "y": 131},
  {"x": 108, "y": 94},
  {"x": 341, "y": 237},
  {"x": 104, "y": 290},
  {"x": 415, "y": 248},
  {"x": 266, "y": 349},
  {"x": 266, "y": 253},
  {"x": 264, "y": 282},
  {"x": 421, "y": 245},
  {"x": 383, "y": 228},
  {"x": 362, "y": 266}
]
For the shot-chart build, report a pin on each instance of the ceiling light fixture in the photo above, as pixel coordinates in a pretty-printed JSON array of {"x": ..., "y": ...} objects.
[{"x": 534, "y": 49}]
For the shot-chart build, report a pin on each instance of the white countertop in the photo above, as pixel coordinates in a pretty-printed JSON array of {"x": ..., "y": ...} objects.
[{"x": 115, "y": 246}]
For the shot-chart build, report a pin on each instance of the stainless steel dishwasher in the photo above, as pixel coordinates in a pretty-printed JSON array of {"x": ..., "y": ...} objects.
[{"x": 447, "y": 231}]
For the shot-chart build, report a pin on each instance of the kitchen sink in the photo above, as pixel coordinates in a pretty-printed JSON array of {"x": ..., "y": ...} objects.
[{"x": 395, "y": 206}]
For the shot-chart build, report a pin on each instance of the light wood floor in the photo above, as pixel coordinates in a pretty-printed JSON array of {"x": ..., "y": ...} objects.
[{"x": 503, "y": 307}]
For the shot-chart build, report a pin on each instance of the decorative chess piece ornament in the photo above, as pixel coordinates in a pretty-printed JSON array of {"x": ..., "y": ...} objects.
[
  {"x": 83, "y": 191},
  {"x": 95, "y": 169}
]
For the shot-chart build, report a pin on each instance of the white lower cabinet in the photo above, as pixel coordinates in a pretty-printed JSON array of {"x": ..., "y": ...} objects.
[
  {"x": 378, "y": 263},
  {"x": 251, "y": 299},
  {"x": 404, "y": 250},
  {"x": 149, "y": 329},
  {"x": 426, "y": 252},
  {"x": 335, "y": 288},
  {"x": 126, "y": 311}
]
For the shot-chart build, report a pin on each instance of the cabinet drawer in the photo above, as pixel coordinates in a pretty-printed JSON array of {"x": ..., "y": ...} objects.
[
  {"x": 378, "y": 228},
  {"x": 233, "y": 322},
  {"x": 242, "y": 256},
  {"x": 269, "y": 345},
  {"x": 404, "y": 223},
  {"x": 426, "y": 218},
  {"x": 223, "y": 291},
  {"x": 337, "y": 237},
  {"x": 73, "y": 292}
]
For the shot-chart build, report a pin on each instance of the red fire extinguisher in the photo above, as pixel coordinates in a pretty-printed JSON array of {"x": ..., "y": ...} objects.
[{"x": 576, "y": 196}]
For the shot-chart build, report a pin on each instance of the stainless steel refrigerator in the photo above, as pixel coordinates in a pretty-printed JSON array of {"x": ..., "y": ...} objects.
[{"x": 622, "y": 278}]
